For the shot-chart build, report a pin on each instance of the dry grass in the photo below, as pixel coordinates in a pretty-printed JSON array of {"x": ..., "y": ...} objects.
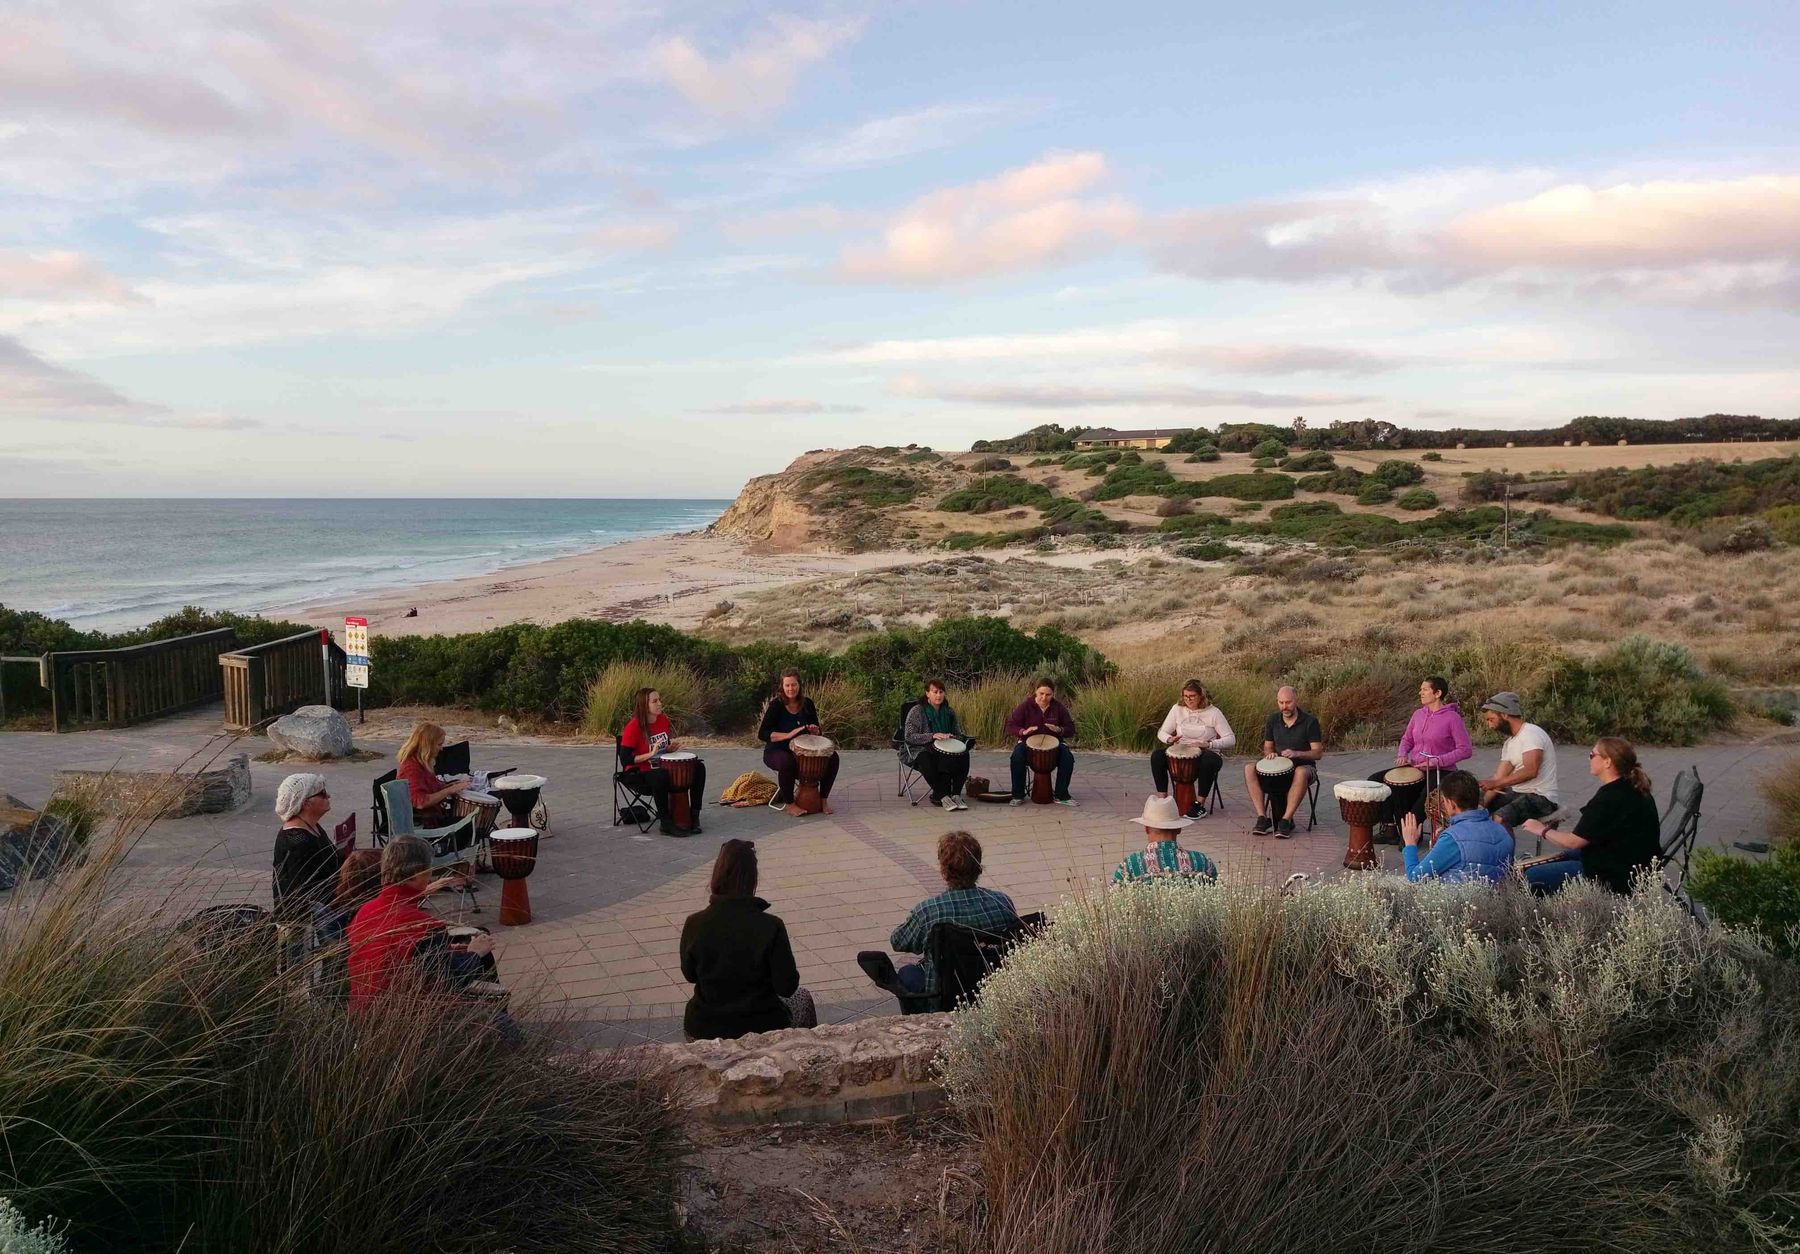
[{"x": 1780, "y": 789}]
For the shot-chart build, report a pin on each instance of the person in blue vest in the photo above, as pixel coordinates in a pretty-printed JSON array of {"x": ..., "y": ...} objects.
[{"x": 1471, "y": 847}]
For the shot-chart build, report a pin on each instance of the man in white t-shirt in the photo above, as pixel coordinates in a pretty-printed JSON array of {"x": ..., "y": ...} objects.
[{"x": 1523, "y": 786}]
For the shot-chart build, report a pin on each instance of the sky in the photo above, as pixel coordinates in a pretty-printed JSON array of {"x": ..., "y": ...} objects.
[{"x": 526, "y": 247}]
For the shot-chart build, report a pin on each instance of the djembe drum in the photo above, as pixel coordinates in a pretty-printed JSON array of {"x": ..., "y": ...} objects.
[
  {"x": 681, "y": 767},
  {"x": 521, "y": 795},
  {"x": 1360, "y": 802},
  {"x": 1043, "y": 752},
  {"x": 812, "y": 757},
  {"x": 1184, "y": 772},
  {"x": 1276, "y": 775},
  {"x": 1406, "y": 786},
  {"x": 485, "y": 809},
  {"x": 515, "y": 855},
  {"x": 1434, "y": 810}
]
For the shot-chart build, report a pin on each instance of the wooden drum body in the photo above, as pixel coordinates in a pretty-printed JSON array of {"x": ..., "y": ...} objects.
[
  {"x": 515, "y": 856},
  {"x": 812, "y": 758},
  {"x": 1184, "y": 770},
  {"x": 1360, "y": 803},
  {"x": 1406, "y": 784},
  {"x": 486, "y": 810},
  {"x": 681, "y": 767},
  {"x": 1276, "y": 776},
  {"x": 1043, "y": 751}
]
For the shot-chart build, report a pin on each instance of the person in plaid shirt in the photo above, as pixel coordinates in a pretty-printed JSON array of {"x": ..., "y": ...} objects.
[
  {"x": 959, "y": 861},
  {"x": 1163, "y": 858}
]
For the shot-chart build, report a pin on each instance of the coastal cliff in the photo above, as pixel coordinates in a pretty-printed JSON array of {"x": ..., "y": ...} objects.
[{"x": 848, "y": 501}]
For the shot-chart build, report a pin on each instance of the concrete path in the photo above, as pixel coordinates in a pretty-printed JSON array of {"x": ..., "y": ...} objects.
[{"x": 608, "y": 903}]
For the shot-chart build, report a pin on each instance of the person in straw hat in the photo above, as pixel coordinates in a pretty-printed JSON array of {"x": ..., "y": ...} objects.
[{"x": 1163, "y": 857}]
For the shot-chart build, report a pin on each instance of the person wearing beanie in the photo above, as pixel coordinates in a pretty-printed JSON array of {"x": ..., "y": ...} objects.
[
  {"x": 1523, "y": 786},
  {"x": 306, "y": 860}
]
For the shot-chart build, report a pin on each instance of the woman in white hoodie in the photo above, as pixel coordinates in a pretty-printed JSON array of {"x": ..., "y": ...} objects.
[{"x": 1194, "y": 720}]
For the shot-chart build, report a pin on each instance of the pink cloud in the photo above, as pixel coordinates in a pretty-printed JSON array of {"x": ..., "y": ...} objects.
[
  {"x": 753, "y": 82},
  {"x": 58, "y": 276}
]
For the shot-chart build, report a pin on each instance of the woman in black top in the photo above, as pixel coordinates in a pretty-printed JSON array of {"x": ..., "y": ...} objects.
[
  {"x": 740, "y": 961},
  {"x": 1618, "y": 831},
  {"x": 791, "y": 713},
  {"x": 306, "y": 860}
]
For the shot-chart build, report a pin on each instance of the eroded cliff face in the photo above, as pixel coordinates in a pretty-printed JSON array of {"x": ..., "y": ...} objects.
[
  {"x": 772, "y": 514},
  {"x": 842, "y": 500}
]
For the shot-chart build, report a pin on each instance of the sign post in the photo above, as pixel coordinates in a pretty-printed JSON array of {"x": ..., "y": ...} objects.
[{"x": 356, "y": 658}]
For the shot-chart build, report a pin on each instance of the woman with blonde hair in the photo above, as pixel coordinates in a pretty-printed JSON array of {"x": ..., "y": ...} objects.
[
  {"x": 1193, "y": 720},
  {"x": 1618, "y": 833},
  {"x": 430, "y": 795}
]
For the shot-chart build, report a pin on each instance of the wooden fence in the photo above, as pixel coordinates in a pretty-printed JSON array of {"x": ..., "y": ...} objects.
[
  {"x": 266, "y": 681},
  {"x": 119, "y": 687}
]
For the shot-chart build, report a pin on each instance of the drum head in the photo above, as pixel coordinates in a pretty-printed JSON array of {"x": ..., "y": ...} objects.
[
  {"x": 479, "y": 798},
  {"x": 1401, "y": 776},
  {"x": 1365, "y": 790},
  {"x": 518, "y": 781},
  {"x": 506, "y": 835},
  {"x": 1041, "y": 741},
  {"x": 1274, "y": 766},
  {"x": 952, "y": 745},
  {"x": 820, "y": 745},
  {"x": 679, "y": 755},
  {"x": 1186, "y": 751}
]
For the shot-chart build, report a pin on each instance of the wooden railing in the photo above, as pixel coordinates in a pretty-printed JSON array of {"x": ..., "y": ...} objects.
[
  {"x": 266, "y": 681},
  {"x": 119, "y": 687}
]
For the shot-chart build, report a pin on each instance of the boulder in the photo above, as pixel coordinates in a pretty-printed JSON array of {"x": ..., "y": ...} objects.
[
  {"x": 32, "y": 844},
  {"x": 313, "y": 731}
]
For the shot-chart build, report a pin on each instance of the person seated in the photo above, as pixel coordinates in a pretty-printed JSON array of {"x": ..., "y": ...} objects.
[
  {"x": 986, "y": 909},
  {"x": 306, "y": 858},
  {"x": 928, "y": 722},
  {"x": 1291, "y": 733},
  {"x": 789, "y": 715},
  {"x": 1523, "y": 785},
  {"x": 1618, "y": 832},
  {"x": 1471, "y": 845},
  {"x": 431, "y": 796},
  {"x": 1193, "y": 720},
  {"x": 646, "y": 737},
  {"x": 1041, "y": 713},
  {"x": 738, "y": 958},
  {"x": 1163, "y": 858},
  {"x": 1436, "y": 739},
  {"x": 386, "y": 934}
]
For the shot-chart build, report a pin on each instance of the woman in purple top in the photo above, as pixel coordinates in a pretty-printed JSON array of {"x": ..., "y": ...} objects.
[
  {"x": 1436, "y": 740},
  {"x": 1041, "y": 713}
]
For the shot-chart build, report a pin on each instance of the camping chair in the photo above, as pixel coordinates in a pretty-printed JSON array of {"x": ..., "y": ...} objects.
[
  {"x": 907, "y": 778},
  {"x": 378, "y": 815},
  {"x": 962, "y": 957},
  {"x": 451, "y": 846},
  {"x": 344, "y": 836},
  {"x": 1681, "y": 826},
  {"x": 641, "y": 818}
]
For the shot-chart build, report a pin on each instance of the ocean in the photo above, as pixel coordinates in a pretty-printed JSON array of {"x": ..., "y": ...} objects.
[{"x": 111, "y": 564}]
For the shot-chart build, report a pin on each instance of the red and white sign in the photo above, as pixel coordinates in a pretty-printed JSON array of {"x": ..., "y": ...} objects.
[{"x": 356, "y": 652}]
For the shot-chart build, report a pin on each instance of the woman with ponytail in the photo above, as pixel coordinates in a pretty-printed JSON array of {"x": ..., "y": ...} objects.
[{"x": 1618, "y": 832}]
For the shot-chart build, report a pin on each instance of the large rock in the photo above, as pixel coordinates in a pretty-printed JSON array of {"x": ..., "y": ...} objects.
[
  {"x": 313, "y": 731},
  {"x": 32, "y": 844}
]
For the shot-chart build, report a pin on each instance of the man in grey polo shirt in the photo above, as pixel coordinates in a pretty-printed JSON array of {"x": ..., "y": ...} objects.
[{"x": 1523, "y": 785}]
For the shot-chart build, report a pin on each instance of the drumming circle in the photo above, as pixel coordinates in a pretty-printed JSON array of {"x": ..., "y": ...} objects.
[{"x": 952, "y": 745}]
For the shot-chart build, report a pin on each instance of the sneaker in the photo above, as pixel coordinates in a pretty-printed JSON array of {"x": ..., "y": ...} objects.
[
  {"x": 1067, "y": 801},
  {"x": 1285, "y": 829},
  {"x": 669, "y": 829},
  {"x": 1264, "y": 825},
  {"x": 948, "y": 803},
  {"x": 692, "y": 831},
  {"x": 1016, "y": 801},
  {"x": 959, "y": 803},
  {"x": 1197, "y": 812}
]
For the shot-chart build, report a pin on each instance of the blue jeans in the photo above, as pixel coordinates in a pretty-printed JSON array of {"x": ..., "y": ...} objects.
[
  {"x": 1546, "y": 877},
  {"x": 1021, "y": 761},
  {"x": 911, "y": 977}
]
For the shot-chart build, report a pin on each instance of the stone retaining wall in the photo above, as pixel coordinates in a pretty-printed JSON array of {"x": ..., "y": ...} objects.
[
  {"x": 218, "y": 790},
  {"x": 843, "y": 1073}
]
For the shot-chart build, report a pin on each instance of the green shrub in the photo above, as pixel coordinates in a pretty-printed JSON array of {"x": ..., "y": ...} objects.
[
  {"x": 1265, "y": 463},
  {"x": 1209, "y": 551},
  {"x": 1242, "y": 437},
  {"x": 1344, "y": 481},
  {"x": 1309, "y": 462},
  {"x": 965, "y": 541},
  {"x": 1746, "y": 535},
  {"x": 1191, "y": 524},
  {"x": 1251, "y": 487},
  {"x": 1356, "y": 1031},
  {"x": 1193, "y": 440},
  {"x": 1784, "y": 520},
  {"x": 1644, "y": 690},
  {"x": 1374, "y": 492},
  {"x": 1071, "y": 518},
  {"x": 687, "y": 698},
  {"x": 1135, "y": 479},
  {"x": 1758, "y": 895},
  {"x": 1270, "y": 448},
  {"x": 1048, "y": 438},
  {"x": 1692, "y": 492},
  {"x": 1398, "y": 473},
  {"x": 987, "y": 465},
  {"x": 840, "y": 486},
  {"x": 1418, "y": 498},
  {"x": 1207, "y": 454},
  {"x": 995, "y": 492},
  {"x": 1433, "y": 456}
]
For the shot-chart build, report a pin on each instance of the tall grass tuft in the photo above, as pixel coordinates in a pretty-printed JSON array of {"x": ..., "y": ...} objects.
[
  {"x": 1780, "y": 789},
  {"x": 1123, "y": 712},
  {"x": 687, "y": 698},
  {"x": 981, "y": 708},
  {"x": 168, "y": 1092},
  {"x": 1368, "y": 1064},
  {"x": 847, "y": 714}
]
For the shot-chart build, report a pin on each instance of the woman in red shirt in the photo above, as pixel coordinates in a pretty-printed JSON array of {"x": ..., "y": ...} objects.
[
  {"x": 430, "y": 795},
  {"x": 642, "y": 742}
]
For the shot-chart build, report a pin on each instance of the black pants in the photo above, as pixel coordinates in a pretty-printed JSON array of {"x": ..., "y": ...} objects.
[
  {"x": 1210, "y": 766},
  {"x": 1405, "y": 799},
  {"x": 945, "y": 772},
  {"x": 780, "y": 759},
  {"x": 1065, "y": 769},
  {"x": 655, "y": 783}
]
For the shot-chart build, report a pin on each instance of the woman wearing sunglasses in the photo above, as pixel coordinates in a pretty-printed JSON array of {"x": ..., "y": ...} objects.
[{"x": 1618, "y": 831}]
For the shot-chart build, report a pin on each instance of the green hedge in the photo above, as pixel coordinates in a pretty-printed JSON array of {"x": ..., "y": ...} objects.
[
  {"x": 1758, "y": 895},
  {"x": 991, "y": 493},
  {"x": 1251, "y": 487}
]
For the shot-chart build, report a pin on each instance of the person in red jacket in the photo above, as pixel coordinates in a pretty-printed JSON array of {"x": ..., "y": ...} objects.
[
  {"x": 645, "y": 737},
  {"x": 387, "y": 934}
]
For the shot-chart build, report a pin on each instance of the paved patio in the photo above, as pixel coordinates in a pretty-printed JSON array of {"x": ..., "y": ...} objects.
[{"x": 608, "y": 903}]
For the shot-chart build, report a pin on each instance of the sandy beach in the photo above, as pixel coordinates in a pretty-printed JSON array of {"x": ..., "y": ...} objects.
[{"x": 672, "y": 579}]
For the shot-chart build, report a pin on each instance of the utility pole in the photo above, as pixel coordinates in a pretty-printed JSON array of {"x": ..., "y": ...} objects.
[{"x": 1506, "y": 526}]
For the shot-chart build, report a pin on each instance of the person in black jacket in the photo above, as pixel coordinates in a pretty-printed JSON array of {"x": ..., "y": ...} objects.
[
  {"x": 738, "y": 956},
  {"x": 791, "y": 713},
  {"x": 306, "y": 860},
  {"x": 1618, "y": 833}
]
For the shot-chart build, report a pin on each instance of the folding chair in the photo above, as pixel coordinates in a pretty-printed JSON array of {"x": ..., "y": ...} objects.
[
  {"x": 907, "y": 777},
  {"x": 344, "y": 836},
  {"x": 1681, "y": 826},
  {"x": 378, "y": 815},
  {"x": 1312, "y": 800},
  {"x": 962, "y": 956},
  {"x": 451, "y": 846},
  {"x": 631, "y": 797}
]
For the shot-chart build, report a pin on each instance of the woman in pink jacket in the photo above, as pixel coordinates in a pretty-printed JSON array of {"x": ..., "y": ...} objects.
[{"x": 1436, "y": 740}]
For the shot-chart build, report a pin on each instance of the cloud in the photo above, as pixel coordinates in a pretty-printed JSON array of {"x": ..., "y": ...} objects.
[
  {"x": 1021, "y": 219},
  {"x": 1264, "y": 359},
  {"x": 809, "y": 220},
  {"x": 752, "y": 83},
  {"x": 645, "y": 235},
  {"x": 881, "y": 140},
  {"x": 32, "y": 386},
  {"x": 57, "y": 276},
  {"x": 775, "y": 408},
  {"x": 1074, "y": 396}
]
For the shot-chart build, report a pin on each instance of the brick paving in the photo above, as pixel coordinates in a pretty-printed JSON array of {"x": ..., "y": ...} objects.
[{"x": 608, "y": 903}]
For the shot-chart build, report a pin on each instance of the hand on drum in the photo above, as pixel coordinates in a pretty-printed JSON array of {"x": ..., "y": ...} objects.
[{"x": 1409, "y": 828}]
